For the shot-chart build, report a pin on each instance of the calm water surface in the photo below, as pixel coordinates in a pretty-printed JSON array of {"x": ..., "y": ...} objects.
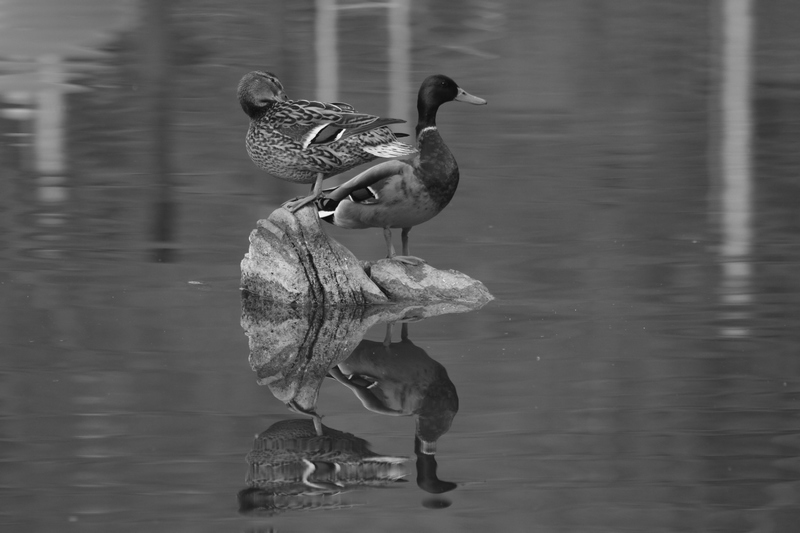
[{"x": 629, "y": 196}]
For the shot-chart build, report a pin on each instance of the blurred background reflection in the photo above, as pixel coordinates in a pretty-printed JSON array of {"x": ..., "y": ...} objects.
[{"x": 629, "y": 195}]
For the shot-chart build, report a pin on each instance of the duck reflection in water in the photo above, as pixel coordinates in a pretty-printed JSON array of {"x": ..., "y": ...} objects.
[
  {"x": 294, "y": 351},
  {"x": 400, "y": 379},
  {"x": 292, "y": 467}
]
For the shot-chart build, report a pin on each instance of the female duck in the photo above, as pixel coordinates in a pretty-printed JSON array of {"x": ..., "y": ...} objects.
[
  {"x": 402, "y": 194},
  {"x": 305, "y": 141}
]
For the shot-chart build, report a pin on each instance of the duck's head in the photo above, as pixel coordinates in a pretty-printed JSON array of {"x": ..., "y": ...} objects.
[
  {"x": 437, "y": 90},
  {"x": 258, "y": 90}
]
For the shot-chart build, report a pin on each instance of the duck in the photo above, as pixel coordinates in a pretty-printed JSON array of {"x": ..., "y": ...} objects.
[
  {"x": 307, "y": 141},
  {"x": 403, "y": 193}
]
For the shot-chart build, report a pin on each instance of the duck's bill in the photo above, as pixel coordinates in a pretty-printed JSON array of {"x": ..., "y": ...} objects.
[{"x": 464, "y": 96}]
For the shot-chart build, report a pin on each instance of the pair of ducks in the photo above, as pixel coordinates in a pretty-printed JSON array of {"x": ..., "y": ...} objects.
[{"x": 307, "y": 141}]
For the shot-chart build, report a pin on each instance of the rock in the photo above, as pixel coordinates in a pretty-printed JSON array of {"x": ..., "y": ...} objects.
[
  {"x": 425, "y": 284},
  {"x": 292, "y": 261}
]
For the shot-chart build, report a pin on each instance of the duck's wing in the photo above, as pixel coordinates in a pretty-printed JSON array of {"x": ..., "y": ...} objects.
[
  {"x": 312, "y": 122},
  {"x": 364, "y": 186},
  {"x": 339, "y": 107}
]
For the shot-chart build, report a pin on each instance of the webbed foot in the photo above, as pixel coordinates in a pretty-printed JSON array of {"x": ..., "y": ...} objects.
[
  {"x": 409, "y": 260},
  {"x": 297, "y": 203}
]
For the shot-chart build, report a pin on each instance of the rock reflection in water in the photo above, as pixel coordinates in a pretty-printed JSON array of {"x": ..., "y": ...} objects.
[
  {"x": 291, "y": 466},
  {"x": 293, "y": 350},
  {"x": 301, "y": 463}
]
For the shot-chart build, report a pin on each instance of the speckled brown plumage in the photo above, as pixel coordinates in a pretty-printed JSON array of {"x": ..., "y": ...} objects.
[{"x": 300, "y": 140}]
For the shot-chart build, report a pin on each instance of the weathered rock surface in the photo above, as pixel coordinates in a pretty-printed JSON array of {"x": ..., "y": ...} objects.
[
  {"x": 292, "y": 261},
  {"x": 425, "y": 284}
]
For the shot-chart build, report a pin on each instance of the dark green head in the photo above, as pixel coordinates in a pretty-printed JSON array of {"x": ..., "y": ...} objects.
[
  {"x": 258, "y": 90},
  {"x": 435, "y": 91}
]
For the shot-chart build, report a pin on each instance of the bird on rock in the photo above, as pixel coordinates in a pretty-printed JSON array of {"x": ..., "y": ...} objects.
[
  {"x": 403, "y": 193},
  {"x": 306, "y": 141}
]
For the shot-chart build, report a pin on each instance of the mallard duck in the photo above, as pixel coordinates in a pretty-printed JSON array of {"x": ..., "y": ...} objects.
[
  {"x": 403, "y": 194},
  {"x": 306, "y": 141}
]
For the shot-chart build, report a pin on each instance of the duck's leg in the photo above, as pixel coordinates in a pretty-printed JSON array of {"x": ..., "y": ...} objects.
[
  {"x": 317, "y": 419},
  {"x": 387, "y": 339},
  {"x": 404, "y": 331},
  {"x": 387, "y": 235},
  {"x": 406, "y": 258},
  {"x": 316, "y": 191}
]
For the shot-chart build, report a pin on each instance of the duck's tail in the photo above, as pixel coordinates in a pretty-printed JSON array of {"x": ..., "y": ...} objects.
[
  {"x": 331, "y": 198},
  {"x": 326, "y": 208}
]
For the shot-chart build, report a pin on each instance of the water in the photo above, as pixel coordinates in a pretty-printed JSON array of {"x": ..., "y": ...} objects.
[{"x": 629, "y": 196}]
